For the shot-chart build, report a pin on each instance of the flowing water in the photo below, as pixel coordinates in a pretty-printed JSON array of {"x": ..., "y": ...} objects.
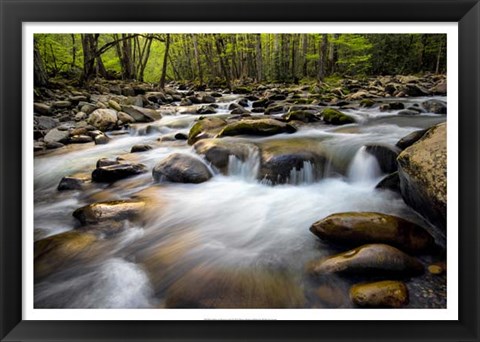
[{"x": 204, "y": 244}]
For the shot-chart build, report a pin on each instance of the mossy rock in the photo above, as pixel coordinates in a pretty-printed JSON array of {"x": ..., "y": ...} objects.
[
  {"x": 336, "y": 117},
  {"x": 205, "y": 128},
  {"x": 262, "y": 127},
  {"x": 301, "y": 115},
  {"x": 367, "y": 103},
  {"x": 242, "y": 90}
]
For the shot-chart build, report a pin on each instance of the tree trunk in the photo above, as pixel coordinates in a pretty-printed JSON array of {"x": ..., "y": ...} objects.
[
  {"x": 74, "y": 52},
  {"x": 40, "y": 78},
  {"x": 259, "y": 59},
  {"x": 165, "y": 59},
  {"x": 89, "y": 54},
  {"x": 197, "y": 58},
  {"x": 220, "y": 52},
  {"x": 323, "y": 58}
]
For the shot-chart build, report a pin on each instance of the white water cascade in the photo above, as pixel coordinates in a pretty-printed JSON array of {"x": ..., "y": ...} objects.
[
  {"x": 246, "y": 169},
  {"x": 306, "y": 175},
  {"x": 364, "y": 168}
]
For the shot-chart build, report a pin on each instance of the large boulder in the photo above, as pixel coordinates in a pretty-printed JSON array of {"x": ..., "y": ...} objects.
[
  {"x": 113, "y": 173},
  {"x": 218, "y": 151},
  {"x": 380, "y": 294},
  {"x": 103, "y": 119},
  {"x": 205, "y": 128},
  {"x": 262, "y": 127},
  {"x": 336, "y": 117},
  {"x": 369, "y": 260},
  {"x": 109, "y": 211},
  {"x": 181, "y": 168},
  {"x": 358, "y": 228},
  {"x": 423, "y": 175},
  {"x": 140, "y": 114}
]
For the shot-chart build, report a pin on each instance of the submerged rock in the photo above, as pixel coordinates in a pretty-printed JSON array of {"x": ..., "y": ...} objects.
[
  {"x": 109, "y": 211},
  {"x": 181, "y": 168},
  {"x": 210, "y": 287},
  {"x": 358, "y": 228},
  {"x": 54, "y": 252},
  {"x": 381, "y": 294},
  {"x": 262, "y": 127},
  {"x": 423, "y": 175},
  {"x": 371, "y": 259}
]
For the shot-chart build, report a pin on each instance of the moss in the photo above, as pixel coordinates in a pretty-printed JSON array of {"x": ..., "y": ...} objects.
[
  {"x": 335, "y": 117},
  {"x": 256, "y": 127},
  {"x": 242, "y": 90},
  {"x": 367, "y": 103},
  {"x": 202, "y": 125},
  {"x": 301, "y": 115}
]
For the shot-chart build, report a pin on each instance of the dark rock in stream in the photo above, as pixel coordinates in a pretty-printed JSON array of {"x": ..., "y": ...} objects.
[
  {"x": 385, "y": 155},
  {"x": 181, "y": 168},
  {"x": 423, "y": 175},
  {"x": 435, "y": 106},
  {"x": 72, "y": 182},
  {"x": 113, "y": 173},
  {"x": 358, "y": 228},
  {"x": 381, "y": 294},
  {"x": 302, "y": 115},
  {"x": 369, "y": 260},
  {"x": 140, "y": 148},
  {"x": 410, "y": 139},
  {"x": 390, "y": 182}
]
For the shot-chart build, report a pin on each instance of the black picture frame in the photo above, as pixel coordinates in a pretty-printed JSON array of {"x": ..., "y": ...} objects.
[{"x": 14, "y": 12}]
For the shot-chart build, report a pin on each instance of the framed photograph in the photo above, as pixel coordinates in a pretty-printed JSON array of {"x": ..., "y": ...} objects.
[{"x": 250, "y": 170}]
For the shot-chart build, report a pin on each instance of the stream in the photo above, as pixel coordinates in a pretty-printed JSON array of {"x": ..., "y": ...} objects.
[{"x": 232, "y": 239}]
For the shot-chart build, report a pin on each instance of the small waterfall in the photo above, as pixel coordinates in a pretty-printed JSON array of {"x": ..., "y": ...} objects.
[
  {"x": 246, "y": 169},
  {"x": 364, "y": 167},
  {"x": 306, "y": 175}
]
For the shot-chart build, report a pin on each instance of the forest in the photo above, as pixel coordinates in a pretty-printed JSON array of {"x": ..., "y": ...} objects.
[{"x": 220, "y": 59}]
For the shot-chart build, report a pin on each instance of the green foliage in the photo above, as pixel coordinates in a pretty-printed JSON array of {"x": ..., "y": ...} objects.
[
  {"x": 283, "y": 57},
  {"x": 354, "y": 54}
]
